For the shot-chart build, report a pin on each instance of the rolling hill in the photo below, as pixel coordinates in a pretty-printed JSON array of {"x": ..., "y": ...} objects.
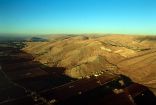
[{"x": 86, "y": 55}]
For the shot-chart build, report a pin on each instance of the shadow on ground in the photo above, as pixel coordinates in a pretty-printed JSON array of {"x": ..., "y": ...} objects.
[{"x": 19, "y": 73}]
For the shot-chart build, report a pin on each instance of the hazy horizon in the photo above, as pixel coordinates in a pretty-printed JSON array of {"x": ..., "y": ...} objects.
[{"x": 39, "y": 17}]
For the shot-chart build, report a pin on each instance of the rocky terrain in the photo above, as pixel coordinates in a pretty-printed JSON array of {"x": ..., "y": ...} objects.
[{"x": 86, "y": 55}]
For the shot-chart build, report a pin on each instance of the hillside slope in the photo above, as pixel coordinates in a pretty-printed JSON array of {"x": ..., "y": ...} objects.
[{"x": 85, "y": 55}]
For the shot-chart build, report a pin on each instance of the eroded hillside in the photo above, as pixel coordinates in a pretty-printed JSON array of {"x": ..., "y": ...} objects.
[{"x": 85, "y": 55}]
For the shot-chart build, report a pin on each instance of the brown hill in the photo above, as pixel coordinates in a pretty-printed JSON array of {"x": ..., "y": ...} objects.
[{"x": 85, "y": 55}]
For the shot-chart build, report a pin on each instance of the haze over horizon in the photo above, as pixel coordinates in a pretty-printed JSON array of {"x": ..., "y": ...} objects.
[{"x": 78, "y": 16}]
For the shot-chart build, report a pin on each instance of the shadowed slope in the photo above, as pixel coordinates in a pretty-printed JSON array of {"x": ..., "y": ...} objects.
[{"x": 87, "y": 55}]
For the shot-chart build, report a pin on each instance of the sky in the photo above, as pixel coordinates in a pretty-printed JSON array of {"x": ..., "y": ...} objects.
[{"x": 78, "y": 16}]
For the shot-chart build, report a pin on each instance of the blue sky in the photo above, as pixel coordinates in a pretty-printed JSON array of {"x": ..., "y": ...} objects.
[{"x": 78, "y": 16}]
